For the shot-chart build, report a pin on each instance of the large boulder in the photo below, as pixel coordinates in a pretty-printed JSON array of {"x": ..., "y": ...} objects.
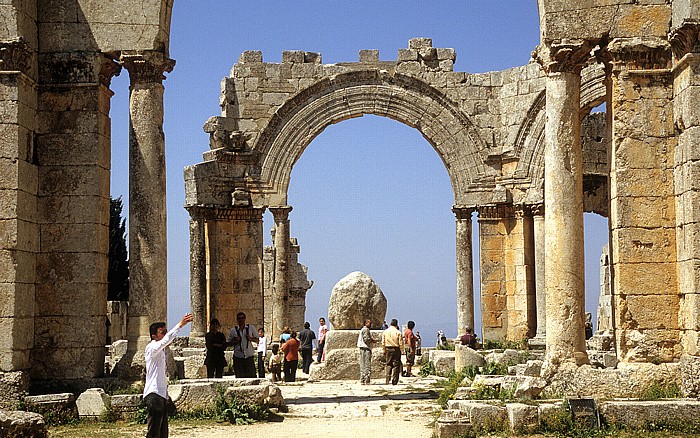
[
  {"x": 355, "y": 298},
  {"x": 465, "y": 356}
]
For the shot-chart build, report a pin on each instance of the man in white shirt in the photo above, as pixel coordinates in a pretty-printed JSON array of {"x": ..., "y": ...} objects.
[
  {"x": 155, "y": 391},
  {"x": 242, "y": 338}
]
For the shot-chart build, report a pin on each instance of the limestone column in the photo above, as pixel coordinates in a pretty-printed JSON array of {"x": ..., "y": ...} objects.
[
  {"x": 198, "y": 276},
  {"x": 563, "y": 193},
  {"x": 280, "y": 297},
  {"x": 540, "y": 295},
  {"x": 465, "y": 269},
  {"x": 147, "y": 211}
]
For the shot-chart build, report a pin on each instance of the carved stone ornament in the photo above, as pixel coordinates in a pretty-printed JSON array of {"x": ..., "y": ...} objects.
[
  {"x": 640, "y": 53},
  {"x": 685, "y": 38},
  {"x": 108, "y": 70},
  {"x": 15, "y": 55},
  {"x": 563, "y": 55},
  {"x": 146, "y": 67},
  {"x": 463, "y": 213}
]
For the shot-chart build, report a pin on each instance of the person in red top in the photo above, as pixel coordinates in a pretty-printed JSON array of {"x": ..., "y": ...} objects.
[
  {"x": 291, "y": 357},
  {"x": 409, "y": 342}
]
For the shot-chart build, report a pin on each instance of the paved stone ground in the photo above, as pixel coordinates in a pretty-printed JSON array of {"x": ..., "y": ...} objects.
[{"x": 337, "y": 409}]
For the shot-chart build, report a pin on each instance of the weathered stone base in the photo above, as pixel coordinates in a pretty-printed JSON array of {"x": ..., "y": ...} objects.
[
  {"x": 690, "y": 376},
  {"x": 201, "y": 393},
  {"x": 343, "y": 357}
]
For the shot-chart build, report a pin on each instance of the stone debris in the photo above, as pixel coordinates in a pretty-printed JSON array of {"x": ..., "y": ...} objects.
[{"x": 19, "y": 424}]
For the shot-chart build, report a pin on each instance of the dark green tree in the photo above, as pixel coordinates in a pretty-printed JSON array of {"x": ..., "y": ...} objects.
[{"x": 118, "y": 274}]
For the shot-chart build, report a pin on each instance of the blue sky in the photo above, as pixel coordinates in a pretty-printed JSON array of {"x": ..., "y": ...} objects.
[{"x": 369, "y": 194}]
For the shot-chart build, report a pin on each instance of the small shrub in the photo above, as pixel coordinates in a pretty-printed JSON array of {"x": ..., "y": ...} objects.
[
  {"x": 493, "y": 368},
  {"x": 227, "y": 409},
  {"x": 140, "y": 416},
  {"x": 505, "y": 345},
  {"x": 660, "y": 391},
  {"x": 454, "y": 381},
  {"x": 427, "y": 369}
]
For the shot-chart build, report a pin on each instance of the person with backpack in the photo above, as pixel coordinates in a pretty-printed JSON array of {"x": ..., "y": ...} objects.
[{"x": 242, "y": 338}]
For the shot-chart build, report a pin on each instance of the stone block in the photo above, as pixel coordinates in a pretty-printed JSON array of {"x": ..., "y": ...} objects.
[
  {"x": 420, "y": 43},
  {"x": 194, "y": 367},
  {"x": 293, "y": 56},
  {"x": 369, "y": 56},
  {"x": 73, "y": 149},
  {"x": 70, "y": 299},
  {"x": 13, "y": 387},
  {"x": 651, "y": 311},
  {"x": 636, "y": 414},
  {"x": 126, "y": 405},
  {"x": 63, "y": 402},
  {"x": 19, "y": 234},
  {"x": 251, "y": 56},
  {"x": 16, "y": 300},
  {"x": 408, "y": 55},
  {"x": 21, "y": 424},
  {"x": 343, "y": 364},
  {"x": 16, "y": 334},
  {"x": 63, "y": 331},
  {"x": 75, "y": 238},
  {"x": 443, "y": 361},
  {"x": 522, "y": 418},
  {"x": 488, "y": 417},
  {"x": 452, "y": 423},
  {"x": 78, "y": 267},
  {"x": 641, "y": 245},
  {"x": 73, "y": 209},
  {"x": 647, "y": 212},
  {"x": 68, "y": 363},
  {"x": 465, "y": 356},
  {"x": 93, "y": 403},
  {"x": 74, "y": 180},
  {"x": 645, "y": 278}
]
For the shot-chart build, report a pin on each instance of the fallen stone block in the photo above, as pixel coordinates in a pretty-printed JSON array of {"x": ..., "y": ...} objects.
[
  {"x": 522, "y": 418},
  {"x": 93, "y": 403},
  {"x": 22, "y": 424},
  {"x": 465, "y": 356},
  {"x": 487, "y": 417},
  {"x": 194, "y": 367},
  {"x": 62, "y": 404},
  {"x": 451, "y": 424}
]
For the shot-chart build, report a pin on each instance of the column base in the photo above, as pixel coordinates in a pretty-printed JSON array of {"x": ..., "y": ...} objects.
[{"x": 538, "y": 342}]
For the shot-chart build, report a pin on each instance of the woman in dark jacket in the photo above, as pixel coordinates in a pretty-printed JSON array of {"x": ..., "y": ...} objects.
[{"x": 216, "y": 345}]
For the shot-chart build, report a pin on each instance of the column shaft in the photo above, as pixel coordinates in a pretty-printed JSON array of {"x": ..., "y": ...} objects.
[
  {"x": 540, "y": 294},
  {"x": 465, "y": 269},
  {"x": 147, "y": 209},
  {"x": 280, "y": 296},
  {"x": 198, "y": 277},
  {"x": 563, "y": 221}
]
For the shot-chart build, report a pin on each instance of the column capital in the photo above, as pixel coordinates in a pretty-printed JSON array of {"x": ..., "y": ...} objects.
[
  {"x": 685, "y": 38},
  {"x": 463, "y": 212},
  {"x": 15, "y": 55},
  {"x": 146, "y": 67},
  {"x": 537, "y": 210},
  {"x": 281, "y": 212},
  {"x": 500, "y": 211},
  {"x": 640, "y": 53},
  {"x": 563, "y": 55},
  {"x": 211, "y": 213},
  {"x": 521, "y": 211},
  {"x": 108, "y": 69}
]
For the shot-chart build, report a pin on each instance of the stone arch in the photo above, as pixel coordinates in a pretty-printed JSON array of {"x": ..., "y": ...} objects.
[
  {"x": 399, "y": 97},
  {"x": 529, "y": 144}
]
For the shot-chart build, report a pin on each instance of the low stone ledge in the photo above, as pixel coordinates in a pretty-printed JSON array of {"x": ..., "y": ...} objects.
[
  {"x": 63, "y": 402},
  {"x": 22, "y": 424},
  {"x": 201, "y": 393},
  {"x": 452, "y": 423}
]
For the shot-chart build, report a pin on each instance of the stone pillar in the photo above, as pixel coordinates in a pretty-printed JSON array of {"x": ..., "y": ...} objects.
[
  {"x": 686, "y": 107},
  {"x": 235, "y": 265},
  {"x": 563, "y": 193},
  {"x": 540, "y": 294},
  {"x": 18, "y": 206},
  {"x": 198, "y": 276},
  {"x": 465, "y": 269},
  {"x": 280, "y": 314},
  {"x": 642, "y": 212},
  {"x": 147, "y": 210},
  {"x": 73, "y": 156},
  {"x": 507, "y": 274}
]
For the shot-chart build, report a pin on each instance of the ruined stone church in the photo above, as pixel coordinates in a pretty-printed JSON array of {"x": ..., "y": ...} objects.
[{"x": 522, "y": 151}]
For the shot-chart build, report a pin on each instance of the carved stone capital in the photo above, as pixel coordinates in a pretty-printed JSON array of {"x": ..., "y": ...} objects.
[
  {"x": 15, "y": 55},
  {"x": 212, "y": 213},
  {"x": 463, "y": 213},
  {"x": 146, "y": 67},
  {"x": 281, "y": 213},
  {"x": 640, "y": 54},
  {"x": 563, "y": 55},
  {"x": 685, "y": 38},
  {"x": 501, "y": 211},
  {"x": 108, "y": 70},
  {"x": 536, "y": 209}
]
